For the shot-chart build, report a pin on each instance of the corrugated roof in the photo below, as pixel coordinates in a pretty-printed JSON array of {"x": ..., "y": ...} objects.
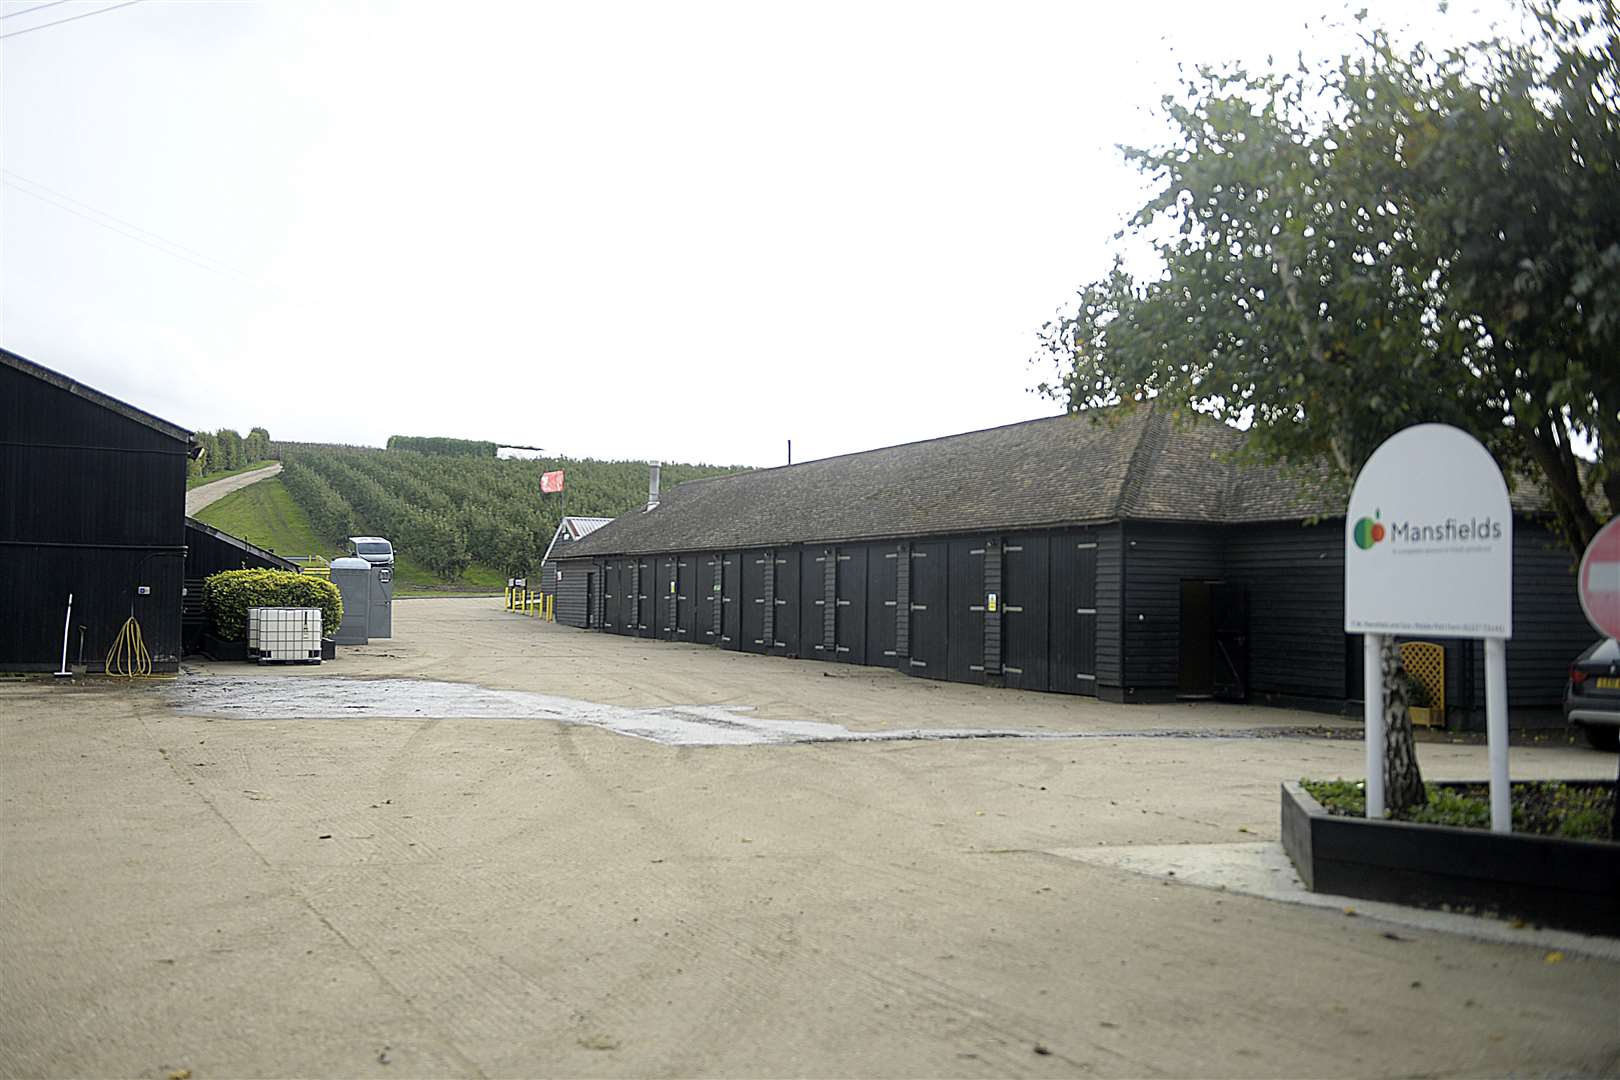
[
  {"x": 1084, "y": 468},
  {"x": 581, "y": 527}
]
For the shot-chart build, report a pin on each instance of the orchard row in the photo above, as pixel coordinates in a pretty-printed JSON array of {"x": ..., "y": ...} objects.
[{"x": 449, "y": 512}]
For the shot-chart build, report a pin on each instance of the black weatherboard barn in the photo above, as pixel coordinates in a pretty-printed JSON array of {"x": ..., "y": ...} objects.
[
  {"x": 1126, "y": 558},
  {"x": 92, "y": 503}
]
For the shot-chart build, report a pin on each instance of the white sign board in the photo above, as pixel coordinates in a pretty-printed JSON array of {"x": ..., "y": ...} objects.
[{"x": 1428, "y": 539}]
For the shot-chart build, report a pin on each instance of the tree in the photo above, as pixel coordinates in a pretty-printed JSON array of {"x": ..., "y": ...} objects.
[
  {"x": 1399, "y": 238},
  {"x": 1395, "y": 238}
]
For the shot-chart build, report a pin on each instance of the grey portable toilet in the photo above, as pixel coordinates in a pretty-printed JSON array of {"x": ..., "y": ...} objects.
[
  {"x": 380, "y": 621},
  {"x": 353, "y": 578}
]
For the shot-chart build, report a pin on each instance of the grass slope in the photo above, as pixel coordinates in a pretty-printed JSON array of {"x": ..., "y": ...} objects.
[
  {"x": 264, "y": 514},
  {"x": 199, "y": 481}
]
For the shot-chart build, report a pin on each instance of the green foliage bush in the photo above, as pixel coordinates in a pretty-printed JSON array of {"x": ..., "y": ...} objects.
[
  {"x": 228, "y": 595},
  {"x": 438, "y": 446},
  {"x": 1545, "y": 808}
]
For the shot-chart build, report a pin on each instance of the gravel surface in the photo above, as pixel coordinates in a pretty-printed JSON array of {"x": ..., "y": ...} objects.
[{"x": 243, "y": 892}]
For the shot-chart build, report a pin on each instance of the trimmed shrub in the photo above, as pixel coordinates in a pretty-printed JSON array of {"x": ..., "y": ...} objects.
[
  {"x": 228, "y": 594},
  {"x": 438, "y": 446}
]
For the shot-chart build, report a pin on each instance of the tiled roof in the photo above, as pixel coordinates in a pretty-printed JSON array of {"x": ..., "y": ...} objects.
[{"x": 1084, "y": 468}]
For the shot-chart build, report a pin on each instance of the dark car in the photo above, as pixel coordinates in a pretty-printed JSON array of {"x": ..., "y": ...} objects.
[{"x": 1592, "y": 696}]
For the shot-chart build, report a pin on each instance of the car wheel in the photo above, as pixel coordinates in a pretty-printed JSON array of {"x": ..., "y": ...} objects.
[{"x": 1603, "y": 736}]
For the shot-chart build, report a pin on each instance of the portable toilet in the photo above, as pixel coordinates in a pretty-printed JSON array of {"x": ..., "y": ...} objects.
[
  {"x": 380, "y": 622},
  {"x": 353, "y": 577}
]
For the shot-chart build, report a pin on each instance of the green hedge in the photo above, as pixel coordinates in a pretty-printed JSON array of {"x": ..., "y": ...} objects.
[
  {"x": 228, "y": 595},
  {"x": 439, "y": 446}
]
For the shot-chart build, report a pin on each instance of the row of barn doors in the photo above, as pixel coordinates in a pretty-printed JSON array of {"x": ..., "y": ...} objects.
[{"x": 922, "y": 607}]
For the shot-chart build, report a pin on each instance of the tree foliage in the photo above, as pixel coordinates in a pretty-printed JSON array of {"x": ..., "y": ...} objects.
[
  {"x": 226, "y": 450},
  {"x": 1400, "y": 237}
]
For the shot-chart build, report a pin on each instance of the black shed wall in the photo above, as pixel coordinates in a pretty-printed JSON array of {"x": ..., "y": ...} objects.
[
  {"x": 1294, "y": 575},
  {"x": 573, "y": 595},
  {"x": 92, "y": 503},
  {"x": 1157, "y": 558}
]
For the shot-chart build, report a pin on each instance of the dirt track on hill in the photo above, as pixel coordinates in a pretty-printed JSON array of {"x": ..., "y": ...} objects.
[
  {"x": 205, "y": 494},
  {"x": 441, "y": 896}
]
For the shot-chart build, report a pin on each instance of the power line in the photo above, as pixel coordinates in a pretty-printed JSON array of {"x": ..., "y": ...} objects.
[
  {"x": 148, "y": 233},
  {"x": 70, "y": 18},
  {"x": 172, "y": 250},
  {"x": 36, "y": 7}
]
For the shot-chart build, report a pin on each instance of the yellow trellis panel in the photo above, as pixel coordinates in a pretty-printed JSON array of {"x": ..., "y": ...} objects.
[{"x": 1425, "y": 664}]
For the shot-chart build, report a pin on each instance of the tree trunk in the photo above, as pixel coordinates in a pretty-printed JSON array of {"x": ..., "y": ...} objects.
[
  {"x": 1403, "y": 783},
  {"x": 1559, "y": 473}
]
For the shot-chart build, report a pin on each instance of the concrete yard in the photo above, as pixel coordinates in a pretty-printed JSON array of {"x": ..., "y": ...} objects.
[{"x": 246, "y": 878}]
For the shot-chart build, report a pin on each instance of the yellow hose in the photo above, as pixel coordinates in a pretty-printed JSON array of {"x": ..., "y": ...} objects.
[{"x": 128, "y": 657}]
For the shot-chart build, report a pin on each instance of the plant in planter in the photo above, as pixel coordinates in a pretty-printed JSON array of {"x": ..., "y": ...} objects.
[
  {"x": 228, "y": 595},
  {"x": 1418, "y": 702}
]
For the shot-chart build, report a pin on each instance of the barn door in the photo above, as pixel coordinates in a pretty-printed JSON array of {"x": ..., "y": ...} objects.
[
  {"x": 965, "y": 650},
  {"x": 754, "y": 566},
  {"x": 1025, "y": 596},
  {"x": 730, "y": 600},
  {"x": 787, "y": 603},
  {"x": 850, "y": 628},
  {"x": 664, "y": 599},
  {"x": 1231, "y": 603},
  {"x": 610, "y": 595},
  {"x": 813, "y": 603},
  {"x": 930, "y": 593},
  {"x": 646, "y": 590},
  {"x": 708, "y": 608},
  {"x": 685, "y": 598},
  {"x": 1072, "y": 660},
  {"x": 882, "y": 564}
]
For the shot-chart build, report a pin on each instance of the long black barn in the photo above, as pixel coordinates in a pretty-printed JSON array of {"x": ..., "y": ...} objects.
[
  {"x": 1126, "y": 558},
  {"x": 92, "y": 503}
]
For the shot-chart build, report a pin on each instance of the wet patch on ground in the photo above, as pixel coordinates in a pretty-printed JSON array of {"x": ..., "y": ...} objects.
[{"x": 318, "y": 698}]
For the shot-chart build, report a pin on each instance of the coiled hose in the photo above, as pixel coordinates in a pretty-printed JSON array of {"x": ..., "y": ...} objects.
[{"x": 128, "y": 657}]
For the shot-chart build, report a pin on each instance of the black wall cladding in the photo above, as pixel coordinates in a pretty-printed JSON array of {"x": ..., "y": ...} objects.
[{"x": 1091, "y": 611}]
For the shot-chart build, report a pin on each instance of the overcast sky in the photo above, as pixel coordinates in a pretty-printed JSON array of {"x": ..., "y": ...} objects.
[{"x": 687, "y": 231}]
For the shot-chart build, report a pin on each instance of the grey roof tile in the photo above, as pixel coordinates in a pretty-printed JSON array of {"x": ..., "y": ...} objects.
[{"x": 1085, "y": 468}]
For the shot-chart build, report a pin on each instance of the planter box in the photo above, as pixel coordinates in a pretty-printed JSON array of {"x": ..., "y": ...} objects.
[
  {"x": 219, "y": 649},
  {"x": 1550, "y": 881}
]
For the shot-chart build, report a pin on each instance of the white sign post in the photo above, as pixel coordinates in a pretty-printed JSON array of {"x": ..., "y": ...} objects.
[{"x": 1429, "y": 551}]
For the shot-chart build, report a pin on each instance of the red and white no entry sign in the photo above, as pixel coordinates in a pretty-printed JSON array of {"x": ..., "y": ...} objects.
[{"x": 1600, "y": 580}]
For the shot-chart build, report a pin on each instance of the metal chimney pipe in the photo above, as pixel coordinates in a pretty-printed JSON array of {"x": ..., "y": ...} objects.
[{"x": 652, "y": 485}]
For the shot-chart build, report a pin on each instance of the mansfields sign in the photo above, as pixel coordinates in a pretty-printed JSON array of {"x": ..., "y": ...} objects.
[{"x": 1429, "y": 539}]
